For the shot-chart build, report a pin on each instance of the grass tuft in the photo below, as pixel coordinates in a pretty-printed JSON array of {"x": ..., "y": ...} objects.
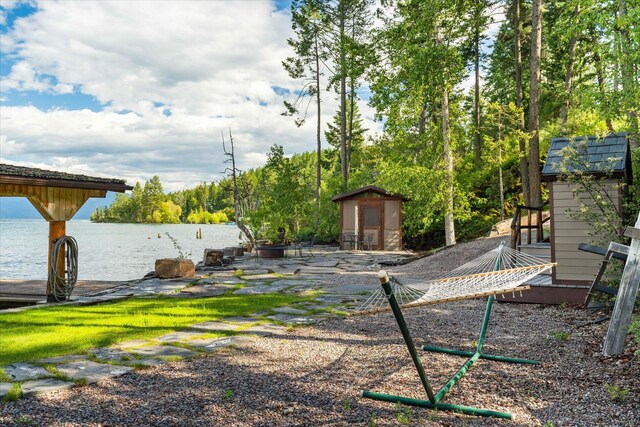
[{"x": 14, "y": 393}]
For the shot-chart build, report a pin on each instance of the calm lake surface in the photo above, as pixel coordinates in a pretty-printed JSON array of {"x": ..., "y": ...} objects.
[{"x": 105, "y": 251}]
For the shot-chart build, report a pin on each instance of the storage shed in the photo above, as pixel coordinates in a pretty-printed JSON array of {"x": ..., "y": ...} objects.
[
  {"x": 370, "y": 218},
  {"x": 608, "y": 160}
]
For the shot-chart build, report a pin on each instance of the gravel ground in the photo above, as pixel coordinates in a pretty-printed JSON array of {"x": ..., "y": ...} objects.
[{"x": 313, "y": 376}]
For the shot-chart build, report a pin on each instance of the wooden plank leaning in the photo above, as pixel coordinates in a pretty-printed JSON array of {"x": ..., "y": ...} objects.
[{"x": 623, "y": 308}]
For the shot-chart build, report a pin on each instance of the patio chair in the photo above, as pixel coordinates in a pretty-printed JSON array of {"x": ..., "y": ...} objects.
[{"x": 305, "y": 245}]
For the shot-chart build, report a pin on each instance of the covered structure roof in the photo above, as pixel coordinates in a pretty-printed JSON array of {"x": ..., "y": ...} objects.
[
  {"x": 367, "y": 189},
  {"x": 609, "y": 155},
  {"x": 19, "y": 175}
]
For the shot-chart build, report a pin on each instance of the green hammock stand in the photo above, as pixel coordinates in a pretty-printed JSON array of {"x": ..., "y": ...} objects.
[{"x": 434, "y": 399}]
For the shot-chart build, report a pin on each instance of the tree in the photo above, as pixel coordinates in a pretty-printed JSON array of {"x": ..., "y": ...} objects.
[
  {"x": 234, "y": 176},
  {"x": 347, "y": 44},
  {"x": 307, "y": 20},
  {"x": 419, "y": 66},
  {"x": 524, "y": 160},
  {"x": 534, "y": 105}
]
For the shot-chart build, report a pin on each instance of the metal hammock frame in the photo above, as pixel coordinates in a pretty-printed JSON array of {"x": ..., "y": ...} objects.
[{"x": 503, "y": 260}]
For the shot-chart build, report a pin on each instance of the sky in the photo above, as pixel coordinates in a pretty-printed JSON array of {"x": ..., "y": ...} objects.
[
  {"x": 133, "y": 89},
  {"x": 130, "y": 90}
]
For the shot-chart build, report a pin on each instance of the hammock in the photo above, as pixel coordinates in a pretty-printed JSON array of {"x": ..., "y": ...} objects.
[
  {"x": 475, "y": 279},
  {"x": 499, "y": 271}
]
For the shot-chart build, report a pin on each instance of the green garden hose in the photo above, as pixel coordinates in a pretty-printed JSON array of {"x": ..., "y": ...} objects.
[{"x": 62, "y": 284}]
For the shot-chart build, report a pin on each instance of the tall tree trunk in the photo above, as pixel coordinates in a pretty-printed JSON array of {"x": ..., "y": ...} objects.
[
  {"x": 476, "y": 99},
  {"x": 318, "y": 137},
  {"x": 343, "y": 98},
  {"x": 524, "y": 162},
  {"x": 449, "y": 228},
  {"x": 597, "y": 62},
  {"x": 568, "y": 78},
  {"x": 534, "y": 104},
  {"x": 627, "y": 70}
]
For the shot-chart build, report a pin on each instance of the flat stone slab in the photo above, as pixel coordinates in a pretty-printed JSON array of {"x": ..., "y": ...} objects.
[
  {"x": 25, "y": 371},
  {"x": 265, "y": 276},
  {"x": 294, "y": 282},
  {"x": 92, "y": 371},
  {"x": 164, "y": 351},
  {"x": 144, "y": 362},
  {"x": 255, "y": 271},
  {"x": 34, "y": 388},
  {"x": 319, "y": 270},
  {"x": 261, "y": 289},
  {"x": 289, "y": 310},
  {"x": 213, "y": 344},
  {"x": 130, "y": 344},
  {"x": 240, "y": 319},
  {"x": 64, "y": 359},
  {"x": 266, "y": 329},
  {"x": 331, "y": 263},
  {"x": 111, "y": 354},
  {"x": 293, "y": 320},
  {"x": 215, "y": 326},
  {"x": 220, "y": 281},
  {"x": 4, "y": 388},
  {"x": 202, "y": 291},
  {"x": 179, "y": 336}
]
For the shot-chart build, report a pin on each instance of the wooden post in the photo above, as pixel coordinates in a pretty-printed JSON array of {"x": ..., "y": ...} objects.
[
  {"x": 623, "y": 308},
  {"x": 57, "y": 229}
]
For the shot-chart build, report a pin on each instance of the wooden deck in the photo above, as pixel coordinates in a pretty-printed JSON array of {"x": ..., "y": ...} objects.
[
  {"x": 544, "y": 292},
  {"x": 28, "y": 292}
]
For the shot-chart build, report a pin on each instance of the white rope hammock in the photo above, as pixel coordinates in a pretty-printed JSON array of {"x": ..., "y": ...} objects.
[{"x": 475, "y": 279}]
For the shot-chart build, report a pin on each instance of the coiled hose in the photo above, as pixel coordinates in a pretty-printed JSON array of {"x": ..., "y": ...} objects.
[{"x": 62, "y": 284}]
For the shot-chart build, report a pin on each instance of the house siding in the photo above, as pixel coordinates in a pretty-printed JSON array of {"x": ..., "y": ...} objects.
[{"x": 574, "y": 266}]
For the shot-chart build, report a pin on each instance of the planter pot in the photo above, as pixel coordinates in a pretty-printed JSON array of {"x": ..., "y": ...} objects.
[
  {"x": 168, "y": 268},
  {"x": 271, "y": 251}
]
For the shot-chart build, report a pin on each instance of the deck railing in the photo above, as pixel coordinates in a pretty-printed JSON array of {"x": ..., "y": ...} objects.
[{"x": 537, "y": 224}]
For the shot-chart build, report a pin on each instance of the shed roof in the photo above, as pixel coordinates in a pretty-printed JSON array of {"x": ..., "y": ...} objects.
[
  {"x": 11, "y": 174},
  {"x": 366, "y": 189},
  {"x": 596, "y": 155}
]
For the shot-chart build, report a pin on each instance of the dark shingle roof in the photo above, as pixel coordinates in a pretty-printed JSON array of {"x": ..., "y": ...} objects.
[
  {"x": 597, "y": 155},
  {"x": 40, "y": 177},
  {"x": 372, "y": 188}
]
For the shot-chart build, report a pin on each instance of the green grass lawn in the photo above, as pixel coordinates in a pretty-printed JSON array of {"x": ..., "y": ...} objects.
[{"x": 54, "y": 331}]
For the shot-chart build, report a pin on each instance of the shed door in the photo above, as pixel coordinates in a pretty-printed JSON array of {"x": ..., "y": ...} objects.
[{"x": 371, "y": 220}]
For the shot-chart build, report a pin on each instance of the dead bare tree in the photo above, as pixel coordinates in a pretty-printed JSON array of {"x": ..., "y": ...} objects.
[{"x": 234, "y": 172}]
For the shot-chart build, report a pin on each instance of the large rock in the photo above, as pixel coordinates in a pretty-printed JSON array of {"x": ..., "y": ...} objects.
[
  {"x": 213, "y": 257},
  {"x": 175, "y": 267}
]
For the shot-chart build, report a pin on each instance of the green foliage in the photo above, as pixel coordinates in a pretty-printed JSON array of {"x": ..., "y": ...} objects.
[
  {"x": 560, "y": 336},
  {"x": 634, "y": 327},
  {"x": 228, "y": 394},
  {"x": 616, "y": 393},
  {"x": 14, "y": 393},
  {"x": 404, "y": 414}
]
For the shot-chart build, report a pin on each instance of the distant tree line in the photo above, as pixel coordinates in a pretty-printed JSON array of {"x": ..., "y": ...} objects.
[{"x": 204, "y": 204}]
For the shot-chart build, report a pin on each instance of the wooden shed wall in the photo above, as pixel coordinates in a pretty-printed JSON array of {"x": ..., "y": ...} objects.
[
  {"x": 392, "y": 225},
  {"x": 349, "y": 215},
  {"x": 574, "y": 266}
]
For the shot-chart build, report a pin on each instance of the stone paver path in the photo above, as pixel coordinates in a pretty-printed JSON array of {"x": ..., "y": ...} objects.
[{"x": 245, "y": 276}]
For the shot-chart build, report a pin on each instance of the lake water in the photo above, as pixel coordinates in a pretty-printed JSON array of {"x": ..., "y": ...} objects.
[{"x": 105, "y": 251}]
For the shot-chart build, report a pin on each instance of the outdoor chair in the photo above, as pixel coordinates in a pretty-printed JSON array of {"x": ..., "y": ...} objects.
[{"x": 305, "y": 245}]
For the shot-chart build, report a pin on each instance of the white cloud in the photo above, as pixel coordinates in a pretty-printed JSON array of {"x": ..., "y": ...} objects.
[{"x": 171, "y": 77}]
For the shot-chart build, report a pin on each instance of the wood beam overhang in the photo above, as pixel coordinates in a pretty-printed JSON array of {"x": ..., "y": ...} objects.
[
  {"x": 62, "y": 183},
  {"x": 53, "y": 203}
]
